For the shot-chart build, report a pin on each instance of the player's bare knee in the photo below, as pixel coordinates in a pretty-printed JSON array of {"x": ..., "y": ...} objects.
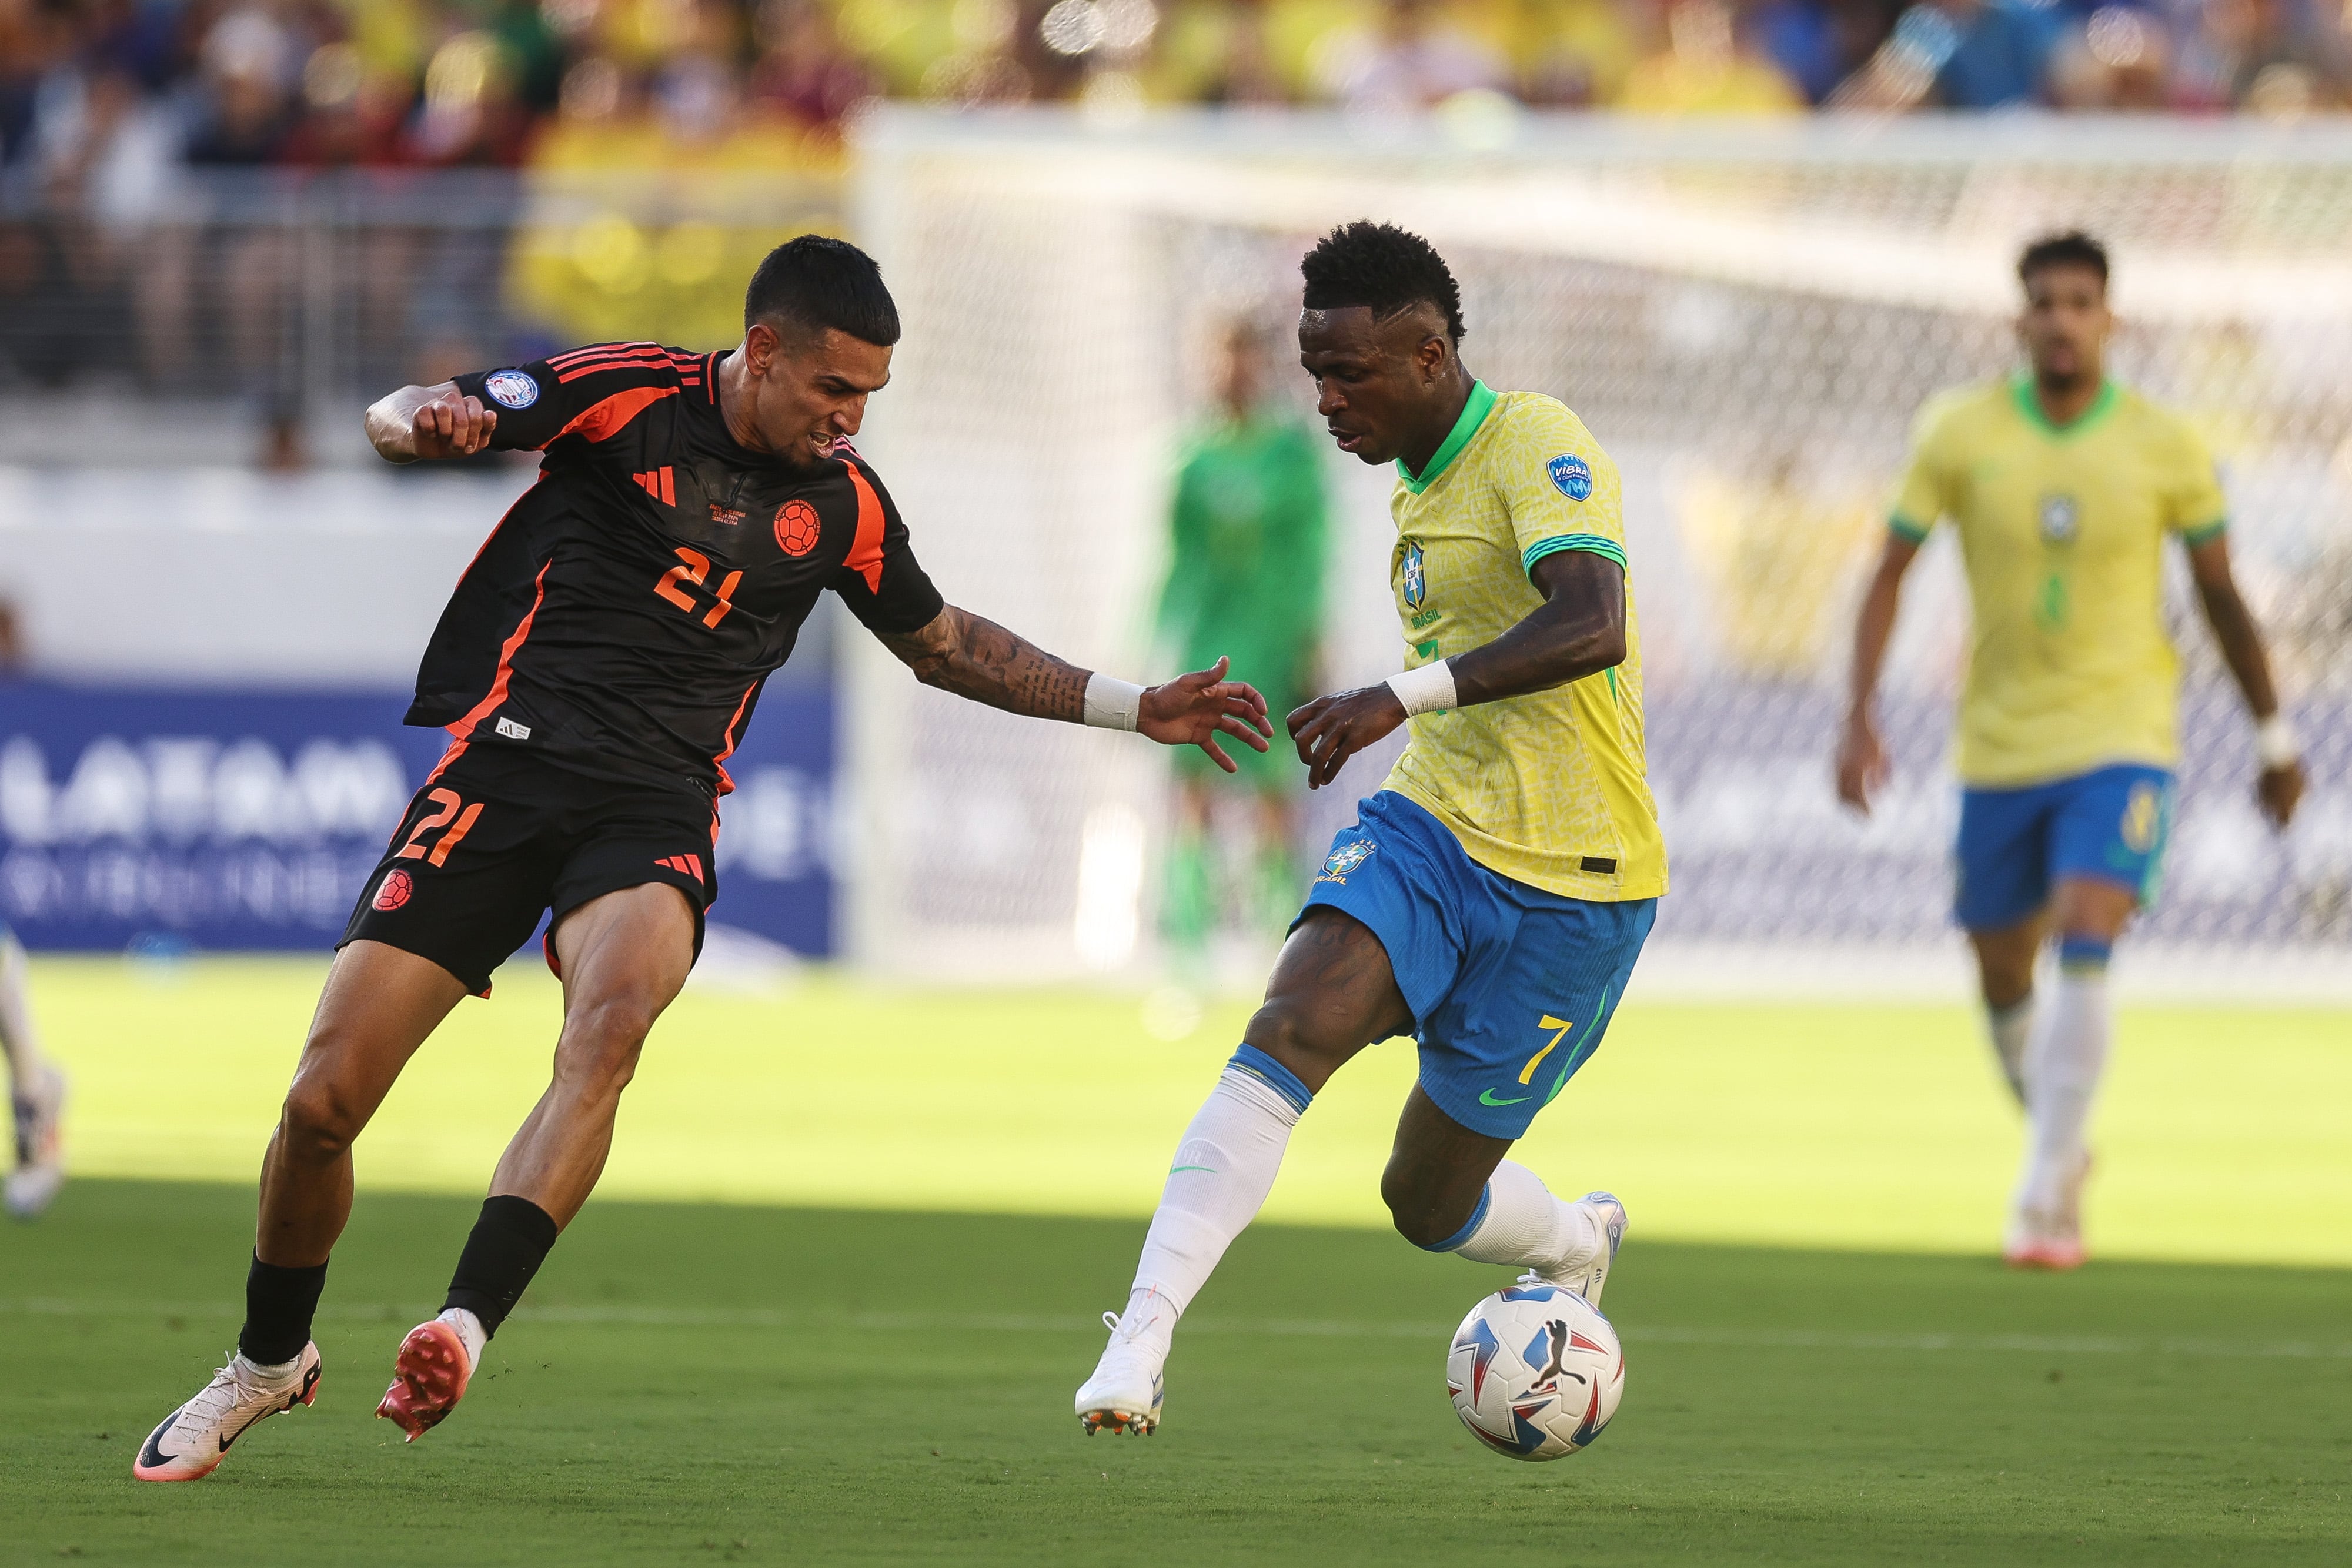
[
  {"x": 1416, "y": 1210},
  {"x": 317, "y": 1123},
  {"x": 601, "y": 1040},
  {"x": 1285, "y": 1028}
]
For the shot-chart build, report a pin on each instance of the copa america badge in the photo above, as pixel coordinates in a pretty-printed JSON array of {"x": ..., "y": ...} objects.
[
  {"x": 512, "y": 388},
  {"x": 1572, "y": 474}
]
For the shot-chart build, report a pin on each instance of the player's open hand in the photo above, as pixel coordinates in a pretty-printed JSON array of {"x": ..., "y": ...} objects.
[
  {"x": 1862, "y": 765},
  {"x": 451, "y": 426},
  {"x": 1329, "y": 730},
  {"x": 2280, "y": 789},
  {"x": 1194, "y": 709}
]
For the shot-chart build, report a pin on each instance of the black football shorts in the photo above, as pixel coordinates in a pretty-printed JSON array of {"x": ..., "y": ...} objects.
[{"x": 496, "y": 839}]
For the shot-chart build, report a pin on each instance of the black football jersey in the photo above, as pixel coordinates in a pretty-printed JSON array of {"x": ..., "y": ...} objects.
[{"x": 621, "y": 617}]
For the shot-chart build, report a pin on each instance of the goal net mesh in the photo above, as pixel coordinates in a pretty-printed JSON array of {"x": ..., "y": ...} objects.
[{"x": 1747, "y": 318}]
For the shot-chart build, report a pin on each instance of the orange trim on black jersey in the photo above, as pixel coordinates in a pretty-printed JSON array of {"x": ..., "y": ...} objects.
[
  {"x": 865, "y": 548},
  {"x": 604, "y": 420},
  {"x": 596, "y": 351},
  {"x": 726, "y": 782},
  {"x": 577, "y": 363},
  {"x": 464, "y": 727}
]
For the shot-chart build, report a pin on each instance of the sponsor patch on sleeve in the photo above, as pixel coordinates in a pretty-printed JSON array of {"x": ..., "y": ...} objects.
[
  {"x": 515, "y": 389},
  {"x": 1571, "y": 475}
]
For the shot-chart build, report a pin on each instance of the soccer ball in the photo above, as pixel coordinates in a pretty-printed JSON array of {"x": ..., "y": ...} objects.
[{"x": 1536, "y": 1372}]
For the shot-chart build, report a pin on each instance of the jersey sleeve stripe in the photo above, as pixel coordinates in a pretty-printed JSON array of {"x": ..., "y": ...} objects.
[
  {"x": 464, "y": 727},
  {"x": 865, "y": 548},
  {"x": 2205, "y": 534},
  {"x": 1596, "y": 544},
  {"x": 1916, "y": 532},
  {"x": 606, "y": 352},
  {"x": 595, "y": 367},
  {"x": 604, "y": 420}
]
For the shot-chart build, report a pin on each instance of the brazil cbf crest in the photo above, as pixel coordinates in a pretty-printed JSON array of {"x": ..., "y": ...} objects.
[
  {"x": 1572, "y": 476},
  {"x": 2061, "y": 519},
  {"x": 1346, "y": 859},
  {"x": 1416, "y": 578},
  {"x": 514, "y": 389}
]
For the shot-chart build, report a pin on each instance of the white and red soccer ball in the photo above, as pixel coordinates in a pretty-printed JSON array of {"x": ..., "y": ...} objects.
[{"x": 1536, "y": 1372}]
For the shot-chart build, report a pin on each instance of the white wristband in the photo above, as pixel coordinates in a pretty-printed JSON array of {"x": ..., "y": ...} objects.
[
  {"x": 1428, "y": 689},
  {"x": 1112, "y": 703},
  {"x": 2274, "y": 743}
]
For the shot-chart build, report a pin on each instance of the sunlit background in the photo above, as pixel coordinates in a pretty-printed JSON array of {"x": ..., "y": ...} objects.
[{"x": 1745, "y": 241}]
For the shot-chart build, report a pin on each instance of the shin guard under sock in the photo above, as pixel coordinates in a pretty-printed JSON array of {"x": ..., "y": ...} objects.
[
  {"x": 509, "y": 1243},
  {"x": 278, "y": 1306}
]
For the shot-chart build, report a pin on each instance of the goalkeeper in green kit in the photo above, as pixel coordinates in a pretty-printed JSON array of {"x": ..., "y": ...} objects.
[{"x": 1245, "y": 580}]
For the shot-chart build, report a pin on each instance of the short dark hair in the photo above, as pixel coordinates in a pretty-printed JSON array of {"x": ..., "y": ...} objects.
[
  {"x": 815, "y": 282},
  {"x": 2072, "y": 248},
  {"x": 1384, "y": 267}
]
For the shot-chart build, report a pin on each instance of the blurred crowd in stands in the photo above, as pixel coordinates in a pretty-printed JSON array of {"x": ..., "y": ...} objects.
[
  {"x": 109, "y": 94},
  {"x": 117, "y": 268}
]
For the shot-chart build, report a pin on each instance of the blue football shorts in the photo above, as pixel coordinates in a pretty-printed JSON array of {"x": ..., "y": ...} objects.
[
  {"x": 1511, "y": 987},
  {"x": 2109, "y": 824}
]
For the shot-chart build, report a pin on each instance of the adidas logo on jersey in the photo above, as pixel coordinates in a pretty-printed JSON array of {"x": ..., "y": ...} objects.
[
  {"x": 658, "y": 484},
  {"x": 690, "y": 864}
]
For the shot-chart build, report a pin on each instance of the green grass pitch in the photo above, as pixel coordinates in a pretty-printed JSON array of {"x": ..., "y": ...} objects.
[{"x": 842, "y": 1277}]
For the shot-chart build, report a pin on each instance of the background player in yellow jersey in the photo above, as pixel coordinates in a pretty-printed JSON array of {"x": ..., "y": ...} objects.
[
  {"x": 2063, "y": 487},
  {"x": 1491, "y": 898}
]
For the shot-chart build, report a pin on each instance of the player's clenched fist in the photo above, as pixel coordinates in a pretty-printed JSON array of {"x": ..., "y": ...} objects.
[
  {"x": 430, "y": 421},
  {"x": 451, "y": 426}
]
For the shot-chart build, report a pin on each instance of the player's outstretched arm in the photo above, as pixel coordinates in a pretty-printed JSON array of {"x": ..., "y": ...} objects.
[
  {"x": 2280, "y": 783},
  {"x": 1578, "y": 631},
  {"x": 429, "y": 421},
  {"x": 1862, "y": 761},
  {"x": 974, "y": 657}
]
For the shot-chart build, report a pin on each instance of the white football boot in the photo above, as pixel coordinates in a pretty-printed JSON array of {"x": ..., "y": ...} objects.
[
  {"x": 40, "y": 1147},
  {"x": 1586, "y": 1271},
  {"x": 1127, "y": 1390},
  {"x": 193, "y": 1439},
  {"x": 2052, "y": 1240}
]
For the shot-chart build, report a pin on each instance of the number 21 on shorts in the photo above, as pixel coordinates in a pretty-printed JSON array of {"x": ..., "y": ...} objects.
[{"x": 451, "y": 805}]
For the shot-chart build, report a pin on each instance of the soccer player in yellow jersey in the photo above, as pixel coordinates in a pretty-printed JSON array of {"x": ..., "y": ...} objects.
[
  {"x": 1492, "y": 896},
  {"x": 2063, "y": 487}
]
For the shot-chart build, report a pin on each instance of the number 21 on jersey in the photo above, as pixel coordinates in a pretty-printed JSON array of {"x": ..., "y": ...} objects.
[{"x": 694, "y": 566}]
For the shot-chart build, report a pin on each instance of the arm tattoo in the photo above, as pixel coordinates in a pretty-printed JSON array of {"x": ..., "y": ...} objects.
[{"x": 962, "y": 652}]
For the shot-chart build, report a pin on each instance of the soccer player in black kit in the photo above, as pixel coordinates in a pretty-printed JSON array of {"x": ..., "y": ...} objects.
[{"x": 595, "y": 666}]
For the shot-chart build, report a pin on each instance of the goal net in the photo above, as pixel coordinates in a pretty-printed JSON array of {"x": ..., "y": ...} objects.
[{"x": 1747, "y": 315}]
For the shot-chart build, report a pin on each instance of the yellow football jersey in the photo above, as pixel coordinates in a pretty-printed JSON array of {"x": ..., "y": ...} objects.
[
  {"x": 2062, "y": 532},
  {"x": 1547, "y": 789}
]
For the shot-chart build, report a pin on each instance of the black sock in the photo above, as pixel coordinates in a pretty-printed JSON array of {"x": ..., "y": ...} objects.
[
  {"x": 279, "y": 1305},
  {"x": 510, "y": 1240}
]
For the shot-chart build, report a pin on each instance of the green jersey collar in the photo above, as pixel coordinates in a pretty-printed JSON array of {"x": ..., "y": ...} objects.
[
  {"x": 1474, "y": 414},
  {"x": 2030, "y": 406}
]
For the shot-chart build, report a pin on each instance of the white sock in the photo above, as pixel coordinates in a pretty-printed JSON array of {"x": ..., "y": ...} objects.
[
  {"x": 469, "y": 1329},
  {"x": 1222, "y": 1170},
  {"x": 256, "y": 1372},
  {"x": 2011, "y": 1028},
  {"x": 1519, "y": 1222},
  {"x": 2068, "y": 1053},
  {"x": 15, "y": 1019}
]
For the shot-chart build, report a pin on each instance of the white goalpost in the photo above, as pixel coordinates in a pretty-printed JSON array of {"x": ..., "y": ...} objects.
[{"x": 1748, "y": 315}]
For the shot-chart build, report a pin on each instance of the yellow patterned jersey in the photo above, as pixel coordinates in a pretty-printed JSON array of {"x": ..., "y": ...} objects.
[
  {"x": 2062, "y": 533},
  {"x": 1547, "y": 789}
]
